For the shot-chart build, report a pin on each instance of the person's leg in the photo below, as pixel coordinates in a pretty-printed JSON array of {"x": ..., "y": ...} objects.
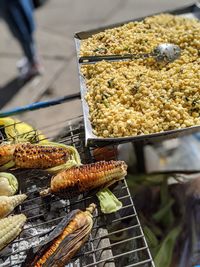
[{"x": 19, "y": 17}]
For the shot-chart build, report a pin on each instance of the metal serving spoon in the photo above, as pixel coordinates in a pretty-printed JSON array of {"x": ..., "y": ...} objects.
[{"x": 163, "y": 52}]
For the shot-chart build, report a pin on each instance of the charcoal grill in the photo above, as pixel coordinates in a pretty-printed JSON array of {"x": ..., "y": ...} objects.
[{"x": 116, "y": 240}]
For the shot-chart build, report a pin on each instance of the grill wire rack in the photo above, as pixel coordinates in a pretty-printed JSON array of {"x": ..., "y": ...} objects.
[{"x": 116, "y": 240}]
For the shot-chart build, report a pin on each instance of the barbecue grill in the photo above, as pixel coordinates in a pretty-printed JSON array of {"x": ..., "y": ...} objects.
[{"x": 116, "y": 239}]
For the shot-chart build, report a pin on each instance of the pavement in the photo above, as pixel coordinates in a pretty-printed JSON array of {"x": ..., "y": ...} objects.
[{"x": 57, "y": 21}]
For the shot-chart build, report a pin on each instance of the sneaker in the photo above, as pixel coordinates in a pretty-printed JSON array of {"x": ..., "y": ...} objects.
[
  {"x": 22, "y": 65},
  {"x": 29, "y": 71}
]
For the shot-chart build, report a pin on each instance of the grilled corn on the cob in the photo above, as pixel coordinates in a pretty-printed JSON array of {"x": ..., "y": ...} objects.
[
  {"x": 63, "y": 243},
  {"x": 41, "y": 156},
  {"x": 7, "y": 204},
  {"x": 84, "y": 178},
  {"x": 10, "y": 228}
]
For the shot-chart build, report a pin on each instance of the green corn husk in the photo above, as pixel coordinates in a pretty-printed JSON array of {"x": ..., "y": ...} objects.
[
  {"x": 150, "y": 236},
  {"x": 73, "y": 161},
  {"x": 10, "y": 228},
  {"x": 160, "y": 214},
  {"x": 16, "y": 131},
  {"x": 164, "y": 255},
  {"x": 108, "y": 201},
  {"x": 165, "y": 214},
  {"x": 8, "y": 184},
  {"x": 7, "y": 166},
  {"x": 7, "y": 204}
]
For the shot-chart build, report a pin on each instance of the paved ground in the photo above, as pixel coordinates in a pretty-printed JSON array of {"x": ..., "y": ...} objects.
[{"x": 57, "y": 22}]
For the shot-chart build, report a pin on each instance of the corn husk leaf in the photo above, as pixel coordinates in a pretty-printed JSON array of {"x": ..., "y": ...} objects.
[
  {"x": 158, "y": 216},
  {"x": 8, "y": 184},
  {"x": 7, "y": 166},
  {"x": 164, "y": 255},
  {"x": 16, "y": 131},
  {"x": 150, "y": 236},
  {"x": 74, "y": 158},
  {"x": 165, "y": 214},
  {"x": 152, "y": 240},
  {"x": 108, "y": 201}
]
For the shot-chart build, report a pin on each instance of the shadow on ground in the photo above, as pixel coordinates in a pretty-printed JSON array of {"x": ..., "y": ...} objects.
[{"x": 8, "y": 91}]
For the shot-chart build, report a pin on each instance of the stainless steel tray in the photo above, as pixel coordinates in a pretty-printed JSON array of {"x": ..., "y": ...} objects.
[{"x": 192, "y": 11}]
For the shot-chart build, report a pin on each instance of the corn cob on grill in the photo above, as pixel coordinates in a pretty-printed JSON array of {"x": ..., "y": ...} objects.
[
  {"x": 7, "y": 204},
  {"x": 41, "y": 156},
  {"x": 10, "y": 228},
  {"x": 76, "y": 180},
  {"x": 64, "y": 241},
  {"x": 37, "y": 156}
]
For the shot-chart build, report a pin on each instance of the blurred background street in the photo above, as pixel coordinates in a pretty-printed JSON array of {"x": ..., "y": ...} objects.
[{"x": 57, "y": 21}]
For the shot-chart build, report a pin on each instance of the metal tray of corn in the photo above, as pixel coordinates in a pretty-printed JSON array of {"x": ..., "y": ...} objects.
[{"x": 192, "y": 11}]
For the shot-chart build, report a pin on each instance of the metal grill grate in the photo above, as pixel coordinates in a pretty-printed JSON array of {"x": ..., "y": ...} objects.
[{"x": 116, "y": 240}]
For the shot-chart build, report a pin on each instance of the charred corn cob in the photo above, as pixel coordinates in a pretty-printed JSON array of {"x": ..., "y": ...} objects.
[
  {"x": 63, "y": 243},
  {"x": 84, "y": 178},
  {"x": 10, "y": 228},
  {"x": 7, "y": 204},
  {"x": 41, "y": 156}
]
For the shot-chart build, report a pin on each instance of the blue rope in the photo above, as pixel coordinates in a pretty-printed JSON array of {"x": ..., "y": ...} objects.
[{"x": 38, "y": 105}]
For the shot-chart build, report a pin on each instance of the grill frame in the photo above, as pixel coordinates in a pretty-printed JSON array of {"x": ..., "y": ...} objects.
[{"x": 102, "y": 248}]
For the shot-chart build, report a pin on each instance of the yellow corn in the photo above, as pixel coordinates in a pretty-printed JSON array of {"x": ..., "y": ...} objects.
[
  {"x": 50, "y": 156},
  {"x": 39, "y": 156},
  {"x": 87, "y": 177},
  {"x": 10, "y": 228},
  {"x": 7, "y": 204}
]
